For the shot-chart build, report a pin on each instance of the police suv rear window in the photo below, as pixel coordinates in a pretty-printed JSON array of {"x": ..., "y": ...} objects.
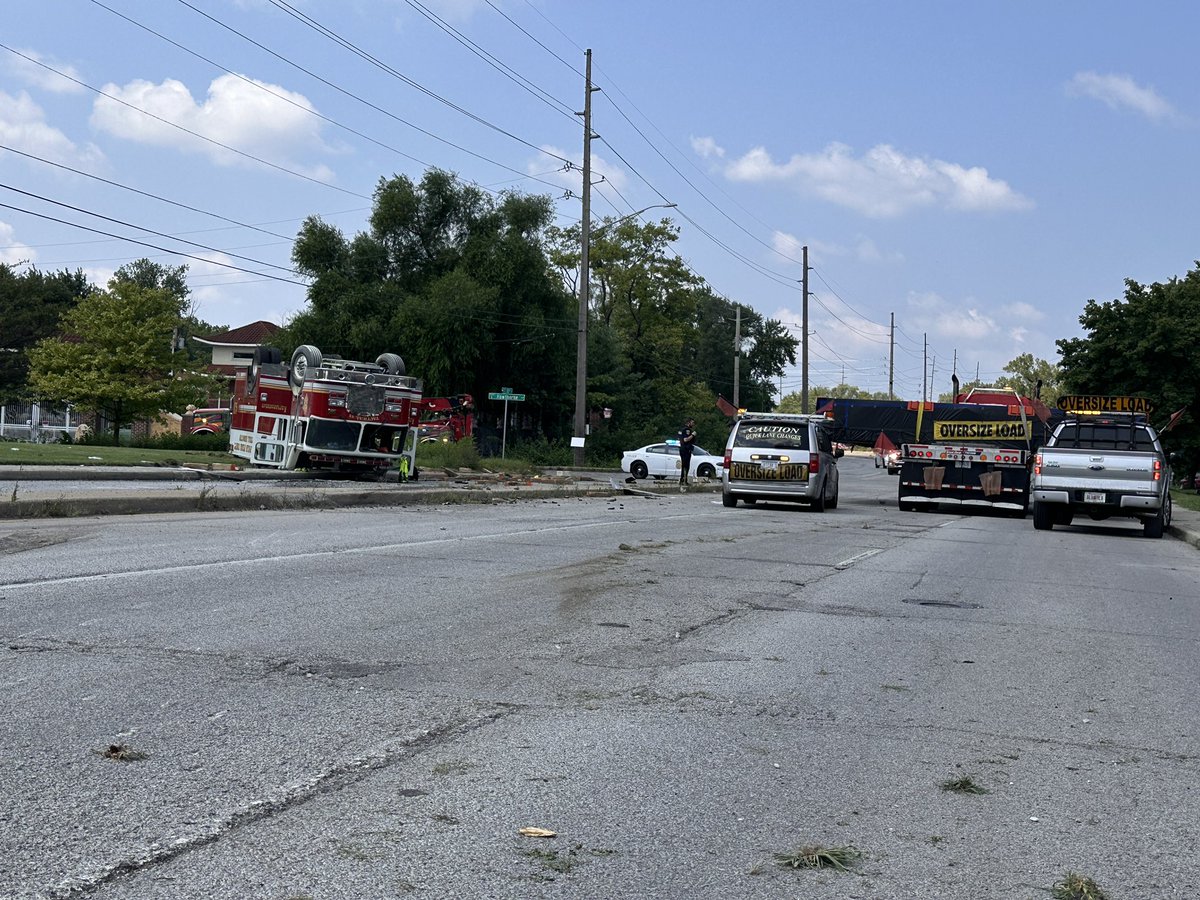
[{"x": 772, "y": 435}]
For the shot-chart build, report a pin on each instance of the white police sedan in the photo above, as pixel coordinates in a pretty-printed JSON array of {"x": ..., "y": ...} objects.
[{"x": 663, "y": 461}]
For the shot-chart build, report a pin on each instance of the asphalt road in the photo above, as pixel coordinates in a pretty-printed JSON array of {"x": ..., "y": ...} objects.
[{"x": 372, "y": 702}]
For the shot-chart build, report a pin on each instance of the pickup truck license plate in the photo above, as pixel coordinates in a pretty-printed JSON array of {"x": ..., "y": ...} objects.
[{"x": 1093, "y": 496}]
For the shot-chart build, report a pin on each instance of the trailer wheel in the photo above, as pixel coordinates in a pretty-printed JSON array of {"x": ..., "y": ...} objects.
[
  {"x": 306, "y": 357},
  {"x": 1043, "y": 516},
  {"x": 392, "y": 364}
]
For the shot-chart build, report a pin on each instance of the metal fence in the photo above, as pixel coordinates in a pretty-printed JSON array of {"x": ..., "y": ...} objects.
[{"x": 36, "y": 423}]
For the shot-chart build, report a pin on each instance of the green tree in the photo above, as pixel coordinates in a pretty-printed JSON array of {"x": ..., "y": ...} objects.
[
  {"x": 1147, "y": 344},
  {"x": 113, "y": 356},
  {"x": 31, "y": 303},
  {"x": 1032, "y": 377},
  {"x": 173, "y": 279},
  {"x": 660, "y": 340},
  {"x": 456, "y": 282}
]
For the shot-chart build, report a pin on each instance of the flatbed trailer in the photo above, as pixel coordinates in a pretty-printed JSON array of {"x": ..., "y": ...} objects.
[{"x": 966, "y": 454}]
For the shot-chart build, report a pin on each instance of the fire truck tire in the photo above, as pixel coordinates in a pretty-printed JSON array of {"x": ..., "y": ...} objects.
[
  {"x": 1043, "y": 516},
  {"x": 306, "y": 357},
  {"x": 392, "y": 364},
  {"x": 269, "y": 355},
  {"x": 638, "y": 469}
]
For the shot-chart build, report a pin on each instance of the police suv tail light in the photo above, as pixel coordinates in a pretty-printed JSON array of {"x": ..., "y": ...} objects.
[
  {"x": 728, "y": 458},
  {"x": 814, "y": 463}
]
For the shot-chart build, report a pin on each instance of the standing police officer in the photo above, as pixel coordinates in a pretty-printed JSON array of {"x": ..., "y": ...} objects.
[{"x": 687, "y": 439}]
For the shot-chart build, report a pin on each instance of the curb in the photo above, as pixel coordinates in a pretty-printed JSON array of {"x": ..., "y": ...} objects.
[{"x": 150, "y": 503}]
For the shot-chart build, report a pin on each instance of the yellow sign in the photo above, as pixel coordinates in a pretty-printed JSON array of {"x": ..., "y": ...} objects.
[
  {"x": 982, "y": 431},
  {"x": 1093, "y": 403}
]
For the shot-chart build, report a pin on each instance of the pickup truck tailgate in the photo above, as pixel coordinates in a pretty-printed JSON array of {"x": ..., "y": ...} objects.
[{"x": 1070, "y": 469}]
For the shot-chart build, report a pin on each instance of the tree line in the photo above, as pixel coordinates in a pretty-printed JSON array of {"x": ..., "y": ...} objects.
[{"x": 477, "y": 292}]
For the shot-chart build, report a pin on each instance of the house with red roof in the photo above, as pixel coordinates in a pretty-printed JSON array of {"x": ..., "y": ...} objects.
[{"x": 233, "y": 350}]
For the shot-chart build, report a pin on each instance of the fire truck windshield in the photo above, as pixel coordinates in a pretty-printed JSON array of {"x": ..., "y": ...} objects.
[{"x": 326, "y": 435}]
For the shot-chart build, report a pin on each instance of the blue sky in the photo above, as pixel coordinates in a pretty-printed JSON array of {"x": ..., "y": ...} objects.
[{"x": 979, "y": 170}]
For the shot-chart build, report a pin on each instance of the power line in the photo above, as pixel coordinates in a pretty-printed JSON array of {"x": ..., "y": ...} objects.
[
  {"x": 387, "y": 69},
  {"x": 87, "y": 212},
  {"x": 130, "y": 240}
]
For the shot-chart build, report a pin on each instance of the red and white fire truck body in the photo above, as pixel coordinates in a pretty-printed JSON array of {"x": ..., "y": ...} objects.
[{"x": 324, "y": 412}]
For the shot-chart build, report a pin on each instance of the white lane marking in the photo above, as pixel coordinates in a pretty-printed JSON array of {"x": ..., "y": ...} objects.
[{"x": 847, "y": 563}]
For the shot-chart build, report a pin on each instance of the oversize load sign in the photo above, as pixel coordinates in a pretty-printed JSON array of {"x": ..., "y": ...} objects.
[
  {"x": 1098, "y": 404},
  {"x": 982, "y": 431}
]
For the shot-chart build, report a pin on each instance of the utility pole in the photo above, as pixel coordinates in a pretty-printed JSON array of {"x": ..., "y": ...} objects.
[
  {"x": 804, "y": 336},
  {"x": 585, "y": 237},
  {"x": 925, "y": 368},
  {"x": 892, "y": 361},
  {"x": 737, "y": 353}
]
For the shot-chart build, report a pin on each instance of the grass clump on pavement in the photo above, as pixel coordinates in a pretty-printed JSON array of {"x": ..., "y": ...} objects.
[
  {"x": 840, "y": 858},
  {"x": 1077, "y": 887},
  {"x": 964, "y": 784}
]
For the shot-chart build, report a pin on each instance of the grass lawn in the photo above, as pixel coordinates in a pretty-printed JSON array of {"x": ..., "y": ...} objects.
[
  {"x": 1186, "y": 499},
  {"x": 23, "y": 454}
]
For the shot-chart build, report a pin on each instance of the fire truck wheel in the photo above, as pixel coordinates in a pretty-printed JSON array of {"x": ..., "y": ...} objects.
[
  {"x": 306, "y": 357},
  {"x": 392, "y": 364}
]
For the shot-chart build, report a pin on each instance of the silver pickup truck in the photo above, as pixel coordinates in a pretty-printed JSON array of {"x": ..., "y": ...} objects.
[{"x": 1102, "y": 466}]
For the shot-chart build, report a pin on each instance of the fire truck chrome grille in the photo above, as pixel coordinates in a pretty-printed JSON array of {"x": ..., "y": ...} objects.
[{"x": 364, "y": 400}]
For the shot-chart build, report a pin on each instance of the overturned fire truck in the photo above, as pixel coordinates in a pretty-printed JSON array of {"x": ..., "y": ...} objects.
[{"x": 324, "y": 412}]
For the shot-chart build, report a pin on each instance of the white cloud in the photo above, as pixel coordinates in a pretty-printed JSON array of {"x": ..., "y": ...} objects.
[
  {"x": 707, "y": 148},
  {"x": 31, "y": 73},
  {"x": 12, "y": 252},
  {"x": 235, "y": 113},
  {"x": 1122, "y": 93},
  {"x": 787, "y": 245},
  {"x": 942, "y": 319},
  {"x": 23, "y": 126},
  {"x": 1022, "y": 310},
  {"x": 863, "y": 250},
  {"x": 882, "y": 183}
]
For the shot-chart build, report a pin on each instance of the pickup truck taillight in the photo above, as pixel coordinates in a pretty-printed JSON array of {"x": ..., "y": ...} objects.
[
  {"x": 1158, "y": 470},
  {"x": 814, "y": 463},
  {"x": 1037, "y": 464}
]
